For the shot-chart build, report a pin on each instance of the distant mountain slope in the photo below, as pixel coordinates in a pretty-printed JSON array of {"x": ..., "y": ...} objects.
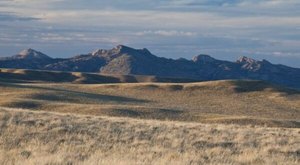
[{"x": 123, "y": 60}]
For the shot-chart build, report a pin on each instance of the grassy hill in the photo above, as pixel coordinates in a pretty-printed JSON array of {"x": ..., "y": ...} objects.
[
  {"x": 230, "y": 101},
  {"x": 82, "y": 118}
]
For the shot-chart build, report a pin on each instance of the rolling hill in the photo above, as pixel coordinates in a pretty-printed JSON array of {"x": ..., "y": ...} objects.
[
  {"x": 227, "y": 101},
  {"x": 54, "y": 117}
]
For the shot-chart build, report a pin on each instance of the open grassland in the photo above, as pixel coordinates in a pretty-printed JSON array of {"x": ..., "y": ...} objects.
[
  {"x": 241, "y": 102},
  {"x": 29, "y": 137},
  {"x": 53, "y": 118}
]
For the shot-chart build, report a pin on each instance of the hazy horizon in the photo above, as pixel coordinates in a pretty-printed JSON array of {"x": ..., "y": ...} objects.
[{"x": 224, "y": 29}]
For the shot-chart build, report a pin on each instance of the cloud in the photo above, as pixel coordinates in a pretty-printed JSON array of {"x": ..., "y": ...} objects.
[
  {"x": 286, "y": 54},
  {"x": 32, "y": 1},
  {"x": 164, "y": 19},
  {"x": 9, "y": 16},
  {"x": 167, "y": 33},
  {"x": 224, "y": 3}
]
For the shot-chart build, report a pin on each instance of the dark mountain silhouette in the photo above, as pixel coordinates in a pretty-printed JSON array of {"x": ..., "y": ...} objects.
[
  {"x": 26, "y": 59},
  {"x": 124, "y": 60},
  {"x": 31, "y": 54}
]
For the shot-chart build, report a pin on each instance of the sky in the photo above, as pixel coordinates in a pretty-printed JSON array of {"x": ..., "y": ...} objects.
[{"x": 224, "y": 29}]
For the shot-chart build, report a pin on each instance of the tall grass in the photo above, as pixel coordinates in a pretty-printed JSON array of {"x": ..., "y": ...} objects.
[{"x": 28, "y": 137}]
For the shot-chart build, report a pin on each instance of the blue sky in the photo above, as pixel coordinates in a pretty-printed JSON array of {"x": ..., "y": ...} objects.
[{"x": 224, "y": 29}]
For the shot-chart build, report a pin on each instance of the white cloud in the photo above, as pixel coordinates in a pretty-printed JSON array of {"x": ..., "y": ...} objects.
[
  {"x": 156, "y": 19},
  {"x": 268, "y": 3},
  {"x": 167, "y": 33},
  {"x": 286, "y": 54}
]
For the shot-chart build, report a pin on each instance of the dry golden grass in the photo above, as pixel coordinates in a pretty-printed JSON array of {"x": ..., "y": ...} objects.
[
  {"x": 242, "y": 102},
  {"x": 28, "y": 137},
  {"x": 62, "y": 123}
]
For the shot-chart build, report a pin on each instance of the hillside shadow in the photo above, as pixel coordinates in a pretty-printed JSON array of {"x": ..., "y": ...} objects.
[
  {"x": 50, "y": 76},
  {"x": 24, "y": 104},
  {"x": 245, "y": 86},
  {"x": 29, "y": 75},
  {"x": 53, "y": 97},
  {"x": 126, "y": 113},
  {"x": 205, "y": 144},
  {"x": 74, "y": 94},
  {"x": 4, "y": 80},
  {"x": 170, "y": 114}
]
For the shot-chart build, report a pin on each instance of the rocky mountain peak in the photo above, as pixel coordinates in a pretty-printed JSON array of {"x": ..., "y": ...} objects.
[
  {"x": 245, "y": 59},
  {"x": 202, "y": 58},
  {"x": 99, "y": 52},
  {"x": 249, "y": 64},
  {"x": 119, "y": 51},
  {"x": 31, "y": 54},
  {"x": 122, "y": 49}
]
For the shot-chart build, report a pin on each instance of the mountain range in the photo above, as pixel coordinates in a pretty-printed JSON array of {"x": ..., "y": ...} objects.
[{"x": 123, "y": 60}]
